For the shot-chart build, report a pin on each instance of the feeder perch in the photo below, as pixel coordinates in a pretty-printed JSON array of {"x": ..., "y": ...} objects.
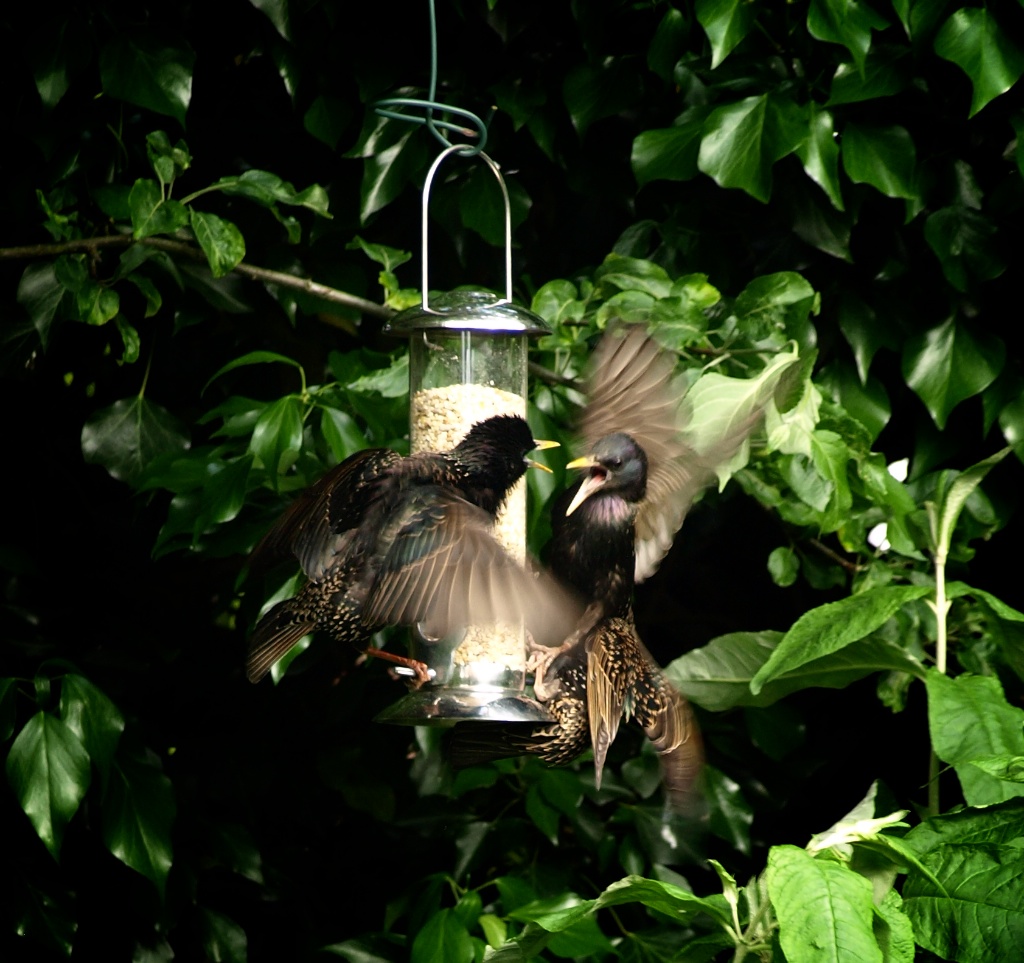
[{"x": 467, "y": 362}]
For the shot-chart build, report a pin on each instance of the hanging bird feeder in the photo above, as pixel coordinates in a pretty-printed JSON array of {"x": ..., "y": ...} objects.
[{"x": 467, "y": 362}]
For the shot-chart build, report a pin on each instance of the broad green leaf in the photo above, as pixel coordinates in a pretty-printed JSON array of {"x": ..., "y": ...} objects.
[
  {"x": 969, "y": 718},
  {"x": 582, "y": 940},
  {"x": 389, "y": 382},
  {"x": 882, "y": 76},
  {"x": 830, "y": 627},
  {"x": 557, "y": 301},
  {"x": 743, "y": 140},
  {"x": 39, "y": 292},
  {"x": 948, "y": 364},
  {"x": 224, "y": 492},
  {"x": 824, "y": 909},
  {"x": 730, "y": 815},
  {"x": 783, "y": 566},
  {"x": 669, "y": 153},
  {"x": 966, "y": 245},
  {"x": 846, "y": 22},
  {"x": 864, "y": 331},
  {"x": 973, "y": 40},
  {"x": 774, "y": 302},
  {"x": 149, "y": 291},
  {"x": 957, "y": 589},
  {"x": 48, "y": 769},
  {"x": 866, "y": 401},
  {"x": 894, "y": 932},
  {"x": 149, "y": 69},
  {"x": 830, "y": 455},
  {"x": 603, "y": 89},
  {"x": 543, "y": 815},
  {"x": 667, "y": 44},
  {"x": 390, "y": 257},
  {"x": 221, "y": 241},
  {"x": 884, "y": 157},
  {"x": 96, "y": 303},
  {"x": 268, "y": 189},
  {"x": 726, "y": 23},
  {"x": 633, "y": 274},
  {"x": 254, "y": 357},
  {"x": 91, "y": 716},
  {"x": 276, "y": 11},
  {"x": 129, "y": 339},
  {"x": 980, "y": 919},
  {"x": 169, "y": 161},
  {"x": 1001, "y": 823},
  {"x": 387, "y": 171},
  {"x": 341, "y": 432},
  {"x": 717, "y": 676},
  {"x": 955, "y": 497},
  {"x": 327, "y": 118},
  {"x": 138, "y": 812},
  {"x": 55, "y": 59},
  {"x": 819, "y": 154},
  {"x": 1009, "y": 768},
  {"x": 125, "y": 437},
  {"x": 151, "y": 213},
  {"x": 277, "y": 435},
  {"x": 444, "y": 937},
  {"x": 224, "y": 941},
  {"x": 495, "y": 930}
]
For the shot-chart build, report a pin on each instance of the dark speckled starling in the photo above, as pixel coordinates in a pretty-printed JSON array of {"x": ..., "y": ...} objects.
[
  {"x": 610, "y": 530},
  {"x": 387, "y": 539}
]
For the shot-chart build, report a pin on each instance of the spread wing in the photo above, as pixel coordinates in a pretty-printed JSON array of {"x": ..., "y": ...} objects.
[
  {"x": 445, "y": 569},
  {"x": 312, "y": 528}
]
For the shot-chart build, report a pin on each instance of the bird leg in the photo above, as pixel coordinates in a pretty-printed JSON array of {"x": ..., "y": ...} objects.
[
  {"x": 419, "y": 669},
  {"x": 539, "y": 661}
]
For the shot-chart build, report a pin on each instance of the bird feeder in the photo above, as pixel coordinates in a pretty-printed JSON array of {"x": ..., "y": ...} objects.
[{"x": 467, "y": 362}]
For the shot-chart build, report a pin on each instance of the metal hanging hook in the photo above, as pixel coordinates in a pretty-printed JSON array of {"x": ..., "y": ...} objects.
[{"x": 447, "y": 152}]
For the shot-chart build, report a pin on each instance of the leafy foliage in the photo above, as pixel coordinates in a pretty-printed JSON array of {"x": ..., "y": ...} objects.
[{"x": 810, "y": 202}]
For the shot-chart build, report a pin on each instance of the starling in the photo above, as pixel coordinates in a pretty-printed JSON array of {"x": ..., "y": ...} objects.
[
  {"x": 609, "y": 531},
  {"x": 386, "y": 539}
]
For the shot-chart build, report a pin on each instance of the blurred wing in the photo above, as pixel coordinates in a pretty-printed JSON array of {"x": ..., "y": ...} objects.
[
  {"x": 310, "y": 527},
  {"x": 612, "y": 650},
  {"x": 445, "y": 569}
]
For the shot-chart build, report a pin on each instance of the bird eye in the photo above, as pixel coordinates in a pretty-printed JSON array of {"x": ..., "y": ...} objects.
[{"x": 615, "y": 462}]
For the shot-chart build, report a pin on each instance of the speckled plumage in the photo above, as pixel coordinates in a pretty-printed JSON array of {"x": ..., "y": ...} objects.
[{"x": 389, "y": 539}]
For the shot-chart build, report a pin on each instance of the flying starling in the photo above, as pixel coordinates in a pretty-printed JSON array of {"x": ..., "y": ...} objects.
[
  {"x": 386, "y": 539},
  {"x": 609, "y": 531}
]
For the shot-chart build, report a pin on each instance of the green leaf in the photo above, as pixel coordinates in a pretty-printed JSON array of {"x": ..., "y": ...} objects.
[
  {"x": 169, "y": 161},
  {"x": 973, "y": 40},
  {"x": 830, "y": 627},
  {"x": 717, "y": 676},
  {"x": 224, "y": 941},
  {"x": 341, "y": 432},
  {"x": 130, "y": 339},
  {"x": 981, "y": 920},
  {"x": 884, "y": 157},
  {"x": 1009, "y": 768},
  {"x": 894, "y": 932},
  {"x": 138, "y": 812},
  {"x": 883, "y": 75},
  {"x": 969, "y": 718},
  {"x": 221, "y": 241},
  {"x": 495, "y": 930},
  {"x": 39, "y": 292},
  {"x": 1001, "y": 823},
  {"x": 667, "y": 44},
  {"x": 845, "y": 22},
  {"x": 726, "y": 23},
  {"x": 277, "y": 435},
  {"x": 824, "y": 909},
  {"x": 48, "y": 769},
  {"x": 783, "y": 566},
  {"x": 387, "y": 170},
  {"x": 444, "y": 937},
  {"x": 224, "y": 492},
  {"x": 92, "y": 717},
  {"x": 327, "y": 119},
  {"x": 743, "y": 140},
  {"x": 594, "y": 91},
  {"x": 151, "y": 214},
  {"x": 633, "y": 274},
  {"x": 998, "y": 606},
  {"x": 96, "y": 303},
  {"x": 819, "y": 154},
  {"x": 964, "y": 242},
  {"x": 730, "y": 816},
  {"x": 947, "y": 365},
  {"x": 150, "y": 70},
  {"x": 389, "y": 382},
  {"x": 669, "y": 153},
  {"x": 8, "y": 707},
  {"x": 125, "y": 437},
  {"x": 955, "y": 497},
  {"x": 268, "y": 189}
]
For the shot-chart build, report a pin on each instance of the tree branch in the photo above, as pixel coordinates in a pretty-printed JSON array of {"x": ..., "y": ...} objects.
[{"x": 94, "y": 245}]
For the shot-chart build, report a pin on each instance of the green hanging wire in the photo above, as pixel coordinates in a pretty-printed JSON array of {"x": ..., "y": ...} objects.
[{"x": 479, "y": 127}]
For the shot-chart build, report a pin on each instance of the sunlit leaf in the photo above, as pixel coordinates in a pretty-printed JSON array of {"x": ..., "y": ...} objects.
[
  {"x": 973, "y": 40},
  {"x": 277, "y": 435},
  {"x": 221, "y": 241},
  {"x": 48, "y": 769},
  {"x": 669, "y": 153},
  {"x": 819, "y": 154},
  {"x": 726, "y": 23},
  {"x": 151, "y": 213},
  {"x": 884, "y": 157}
]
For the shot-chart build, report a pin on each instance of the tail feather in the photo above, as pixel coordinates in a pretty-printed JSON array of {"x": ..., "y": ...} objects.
[{"x": 273, "y": 636}]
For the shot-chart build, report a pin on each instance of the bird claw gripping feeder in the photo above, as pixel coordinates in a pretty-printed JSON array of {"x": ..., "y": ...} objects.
[{"x": 467, "y": 362}]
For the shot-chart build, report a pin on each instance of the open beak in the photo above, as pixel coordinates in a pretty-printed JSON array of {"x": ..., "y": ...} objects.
[
  {"x": 590, "y": 484},
  {"x": 541, "y": 445}
]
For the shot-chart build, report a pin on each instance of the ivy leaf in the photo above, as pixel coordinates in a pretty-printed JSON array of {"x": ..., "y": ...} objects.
[
  {"x": 40, "y": 292},
  {"x": 277, "y": 435},
  {"x": 969, "y": 718},
  {"x": 148, "y": 70},
  {"x": 830, "y": 627},
  {"x": 881, "y": 76},
  {"x": 980, "y": 917},
  {"x": 845, "y": 22},
  {"x": 743, "y": 140},
  {"x": 138, "y": 812},
  {"x": 947, "y": 365},
  {"x": 125, "y": 437},
  {"x": 48, "y": 769},
  {"x": 964, "y": 242},
  {"x": 824, "y": 908},
  {"x": 221, "y": 241},
  {"x": 726, "y": 23},
  {"x": 819, "y": 154},
  {"x": 883, "y": 157},
  {"x": 668, "y": 44},
  {"x": 223, "y": 939},
  {"x": 973, "y": 40},
  {"x": 591, "y": 93},
  {"x": 91, "y": 716},
  {"x": 669, "y": 153},
  {"x": 151, "y": 214}
]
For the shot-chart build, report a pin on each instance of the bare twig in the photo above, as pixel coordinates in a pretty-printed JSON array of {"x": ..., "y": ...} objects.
[{"x": 94, "y": 245}]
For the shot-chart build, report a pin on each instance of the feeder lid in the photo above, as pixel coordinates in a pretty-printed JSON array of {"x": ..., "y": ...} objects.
[{"x": 468, "y": 311}]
